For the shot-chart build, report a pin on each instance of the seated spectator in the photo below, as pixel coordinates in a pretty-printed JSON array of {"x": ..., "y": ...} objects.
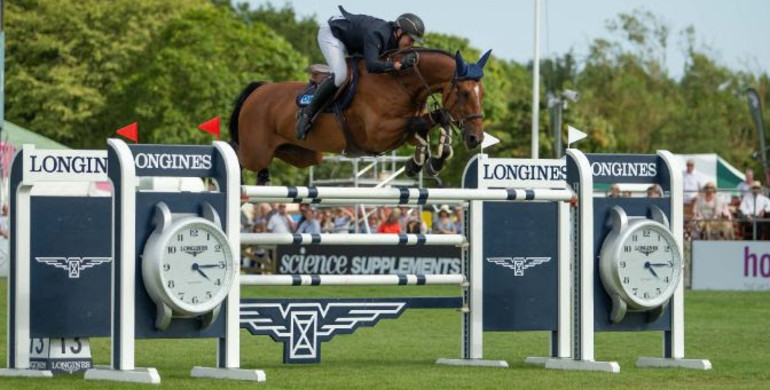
[
  {"x": 5, "y": 223},
  {"x": 459, "y": 219},
  {"x": 745, "y": 186},
  {"x": 614, "y": 191},
  {"x": 754, "y": 205},
  {"x": 444, "y": 224},
  {"x": 325, "y": 219},
  {"x": 415, "y": 226},
  {"x": 248, "y": 215},
  {"x": 280, "y": 222},
  {"x": 654, "y": 191},
  {"x": 391, "y": 223},
  {"x": 713, "y": 218},
  {"x": 264, "y": 212},
  {"x": 310, "y": 224},
  {"x": 341, "y": 220}
]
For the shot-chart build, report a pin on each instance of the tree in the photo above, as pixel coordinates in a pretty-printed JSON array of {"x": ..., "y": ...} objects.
[
  {"x": 193, "y": 69},
  {"x": 64, "y": 56}
]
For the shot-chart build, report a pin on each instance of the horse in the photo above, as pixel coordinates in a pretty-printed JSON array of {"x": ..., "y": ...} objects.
[{"x": 388, "y": 110}]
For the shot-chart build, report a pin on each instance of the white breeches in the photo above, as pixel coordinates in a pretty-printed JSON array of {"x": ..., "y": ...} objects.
[{"x": 334, "y": 51}]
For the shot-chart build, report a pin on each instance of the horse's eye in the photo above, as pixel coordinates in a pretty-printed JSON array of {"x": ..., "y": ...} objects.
[{"x": 465, "y": 94}]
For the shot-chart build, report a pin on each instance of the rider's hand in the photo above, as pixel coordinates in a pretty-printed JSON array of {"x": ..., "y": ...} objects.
[{"x": 397, "y": 65}]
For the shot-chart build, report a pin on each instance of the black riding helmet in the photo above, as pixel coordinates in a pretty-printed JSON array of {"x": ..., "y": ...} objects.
[{"x": 412, "y": 25}]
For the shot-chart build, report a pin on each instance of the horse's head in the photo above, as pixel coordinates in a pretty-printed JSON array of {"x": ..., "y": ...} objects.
[{"x": 463, "y": 97}]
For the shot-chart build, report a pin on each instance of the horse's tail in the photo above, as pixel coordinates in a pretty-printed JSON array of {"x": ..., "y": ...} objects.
[{"x": 233, "y": 125}]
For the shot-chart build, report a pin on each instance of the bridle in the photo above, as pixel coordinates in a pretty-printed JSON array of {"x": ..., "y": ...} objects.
[
  {"x": 460, "y": 100},
  {"x": 444, "y": 111}
]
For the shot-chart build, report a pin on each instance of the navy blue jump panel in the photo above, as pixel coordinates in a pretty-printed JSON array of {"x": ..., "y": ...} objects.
[
  {"x": 633, "y": 321},
  {"x": 521, "y": 242},
  {"x": 145, "y": 308},
  {"x": 71, "y": 266}
]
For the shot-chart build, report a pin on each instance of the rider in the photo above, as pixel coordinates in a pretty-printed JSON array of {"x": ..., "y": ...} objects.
[{"x": 358, "y": 34}]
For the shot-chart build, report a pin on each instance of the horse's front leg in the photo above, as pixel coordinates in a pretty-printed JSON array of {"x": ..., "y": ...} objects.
[
  {"x": 419, "y": 127},
  {"x": 444, "y": 149}
]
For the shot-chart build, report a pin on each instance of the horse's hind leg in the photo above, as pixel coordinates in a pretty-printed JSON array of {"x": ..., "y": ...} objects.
[{"x": 263, "y": 177}]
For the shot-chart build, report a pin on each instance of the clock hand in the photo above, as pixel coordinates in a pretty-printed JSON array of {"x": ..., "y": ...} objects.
[
  {"x": 208, "y": 266},
  {"x": 196, "y": 267},
  {"x": 649, "y": 267},
  {"x": 660, "y": 265}
]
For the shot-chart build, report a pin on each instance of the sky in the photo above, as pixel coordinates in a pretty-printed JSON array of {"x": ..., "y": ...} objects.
[{"x": 736, "y": 32}]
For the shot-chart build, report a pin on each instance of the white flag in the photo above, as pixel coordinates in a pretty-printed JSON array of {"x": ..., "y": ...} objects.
[
  {"x": 574, "y": 135},
  {"x": 489, "y": 140}
]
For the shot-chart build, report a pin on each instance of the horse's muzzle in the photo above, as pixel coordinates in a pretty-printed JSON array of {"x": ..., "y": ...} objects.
[{"x": 472, "y": 140}]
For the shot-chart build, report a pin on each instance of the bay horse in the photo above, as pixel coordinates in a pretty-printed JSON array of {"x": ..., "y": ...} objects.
[{"x": 388, "y": 110}]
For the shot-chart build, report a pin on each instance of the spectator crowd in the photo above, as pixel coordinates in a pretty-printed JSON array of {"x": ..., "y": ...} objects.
[{"x": 275, "y": 218}]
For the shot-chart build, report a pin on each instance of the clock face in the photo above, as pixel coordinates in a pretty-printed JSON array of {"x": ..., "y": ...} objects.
[
  {"x": 196, "y": 266},
  {"x": 649, "y": 264}
]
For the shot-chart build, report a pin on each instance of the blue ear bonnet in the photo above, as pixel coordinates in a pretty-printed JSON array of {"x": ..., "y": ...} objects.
[{"x": 464, "y": 70}]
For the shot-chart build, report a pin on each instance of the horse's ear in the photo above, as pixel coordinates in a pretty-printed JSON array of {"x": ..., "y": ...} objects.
[
  {"x": 460, "y": 64},
  {"x": 484, "y": 58}
]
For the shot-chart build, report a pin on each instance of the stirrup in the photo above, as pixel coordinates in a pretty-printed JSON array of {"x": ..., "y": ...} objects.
[{"x": 304, "y": 124}]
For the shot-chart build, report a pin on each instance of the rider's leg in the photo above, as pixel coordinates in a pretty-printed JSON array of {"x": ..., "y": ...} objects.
[{"x": 334, "y": 52}]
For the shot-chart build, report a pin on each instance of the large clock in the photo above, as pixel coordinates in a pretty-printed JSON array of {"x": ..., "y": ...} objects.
[
  {"x": 640, "y": 264},
  {"x": 187, "y": 266}
]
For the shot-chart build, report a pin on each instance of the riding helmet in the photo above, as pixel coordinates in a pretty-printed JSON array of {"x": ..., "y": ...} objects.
[{"x": 412, "y": 25}]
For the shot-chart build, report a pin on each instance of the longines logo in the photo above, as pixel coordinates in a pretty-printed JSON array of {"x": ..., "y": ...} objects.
[
  {"x": 525, "y": 172},
  {"x": 518, "y": 264},
  {"x": 172, "y": 161},
  {"x": 73, "y": 265},
  {"x": 194, "y": 250},
  {"x": 303, "y": 326},
  {"x": 624, "y": 169},
  {"x": 646, "y": 249},
  {"x": 68, "y": 164}
]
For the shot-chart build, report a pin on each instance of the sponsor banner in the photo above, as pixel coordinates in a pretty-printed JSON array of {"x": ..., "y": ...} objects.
[
  {"x": 623, "y": 168},
  {"x": 368, "y": 260},
  {"x": 173, "y": 160},
  {"x": 60, "y": 355},
  {"x": 64, "y": 165},
  {"x": 513, "y": 172},
  {"x": 731, "y": 265}
]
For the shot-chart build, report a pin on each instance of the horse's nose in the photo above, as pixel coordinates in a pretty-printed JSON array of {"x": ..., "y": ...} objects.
[{"x": 472, "y": 141}]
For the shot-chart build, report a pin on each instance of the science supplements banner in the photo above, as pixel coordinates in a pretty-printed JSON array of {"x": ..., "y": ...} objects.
[{"x": 368, "y": 260}]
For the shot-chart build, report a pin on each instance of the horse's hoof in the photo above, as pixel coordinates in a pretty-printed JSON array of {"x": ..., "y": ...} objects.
[
  {"x": 412, "y": 169},
  {"x": 433, "y": 167}
]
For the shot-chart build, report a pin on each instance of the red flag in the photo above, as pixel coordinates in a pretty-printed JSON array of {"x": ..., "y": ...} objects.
[
  {"x": 211, "y": 126},
  {"x": 130, "y": 132}
]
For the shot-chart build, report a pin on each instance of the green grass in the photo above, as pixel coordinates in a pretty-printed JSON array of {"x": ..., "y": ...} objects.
[{"x": 729, "y": 328}]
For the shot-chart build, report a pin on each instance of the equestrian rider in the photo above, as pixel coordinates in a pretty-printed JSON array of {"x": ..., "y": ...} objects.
[{"x": 363, "y": 35}]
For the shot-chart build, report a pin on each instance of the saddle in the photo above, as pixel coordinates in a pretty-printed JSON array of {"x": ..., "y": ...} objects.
[
  {"x": 346, "y": 91},
  {"x": 341, "y": 100}
]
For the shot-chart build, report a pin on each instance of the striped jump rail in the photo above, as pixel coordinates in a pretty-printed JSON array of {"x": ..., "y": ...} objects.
[
  {"x": 353, "y": 280},
  {"x": 351, "y": 239},
  {"x": 298, "y": 194},
  {"x": 350, "y": 201}
]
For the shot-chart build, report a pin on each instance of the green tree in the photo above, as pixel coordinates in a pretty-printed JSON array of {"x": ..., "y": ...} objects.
[
  {"x": 299, "y": 32},
  {"x": 64, "y": 56},
  {"x": 193, "y": 70}
]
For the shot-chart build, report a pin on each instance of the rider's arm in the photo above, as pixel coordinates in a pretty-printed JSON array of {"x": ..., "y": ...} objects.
[{"x": 372, "y": 50}]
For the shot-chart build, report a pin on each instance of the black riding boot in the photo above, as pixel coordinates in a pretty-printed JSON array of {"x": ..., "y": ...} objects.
[{"x": 305, "y": 122}]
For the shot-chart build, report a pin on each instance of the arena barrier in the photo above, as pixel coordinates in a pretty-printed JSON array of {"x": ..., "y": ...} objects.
[{"x": 522, "y": 238}]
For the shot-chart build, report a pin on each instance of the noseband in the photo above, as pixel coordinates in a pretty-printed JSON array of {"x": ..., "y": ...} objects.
[{"x": 460, "y": 100}]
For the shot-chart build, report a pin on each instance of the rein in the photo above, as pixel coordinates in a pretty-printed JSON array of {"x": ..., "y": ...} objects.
[{"x": 461, "y": 100}]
